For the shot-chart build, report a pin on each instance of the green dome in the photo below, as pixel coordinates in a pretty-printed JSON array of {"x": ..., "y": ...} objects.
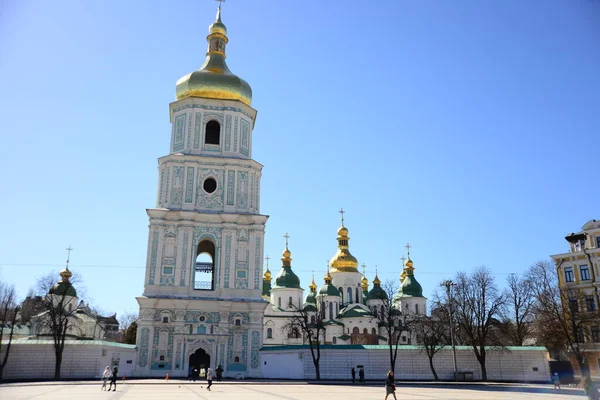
[
  {"x": 266, "y": 290},
  {"x": 63, "y": 289},
  {"x": 410, "y": 287},
  {"x": 329, "y": 290},
  {"x": 377, "y": 293},
  {"x": 311, "y": 298},
  {"x": 287, "y": 279}
]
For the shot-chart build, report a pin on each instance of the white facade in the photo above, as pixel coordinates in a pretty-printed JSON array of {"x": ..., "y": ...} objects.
[{"x": 205, "y": 311}]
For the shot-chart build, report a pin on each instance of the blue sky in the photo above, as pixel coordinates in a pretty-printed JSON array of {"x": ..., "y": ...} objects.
[{"x": 469, "y": 129}]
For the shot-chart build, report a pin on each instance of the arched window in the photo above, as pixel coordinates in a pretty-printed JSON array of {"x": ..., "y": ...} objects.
[
  {"x": 236, "y": 359},
  {"x": 375, "y": 311},
  {"x": 213, "y": 133},
  {"x": 290, "y": 302},
  {"x": 365, "y": 331},
  {"x": 161, "y": 358},
  {"x": 416, "y": 308},
  {"x": 373, "y": 331},
  {"x": 312, "y": 319},
  {"x": 201, "y": 329},
  {"x": 205, "y": 266},
  {"x": 238, "y": 322},
  {"x": 165, "y": 320},
  {"x": 349, "y": 295},
  {"x": 337, "y": 308},
  {"x": 331, "y": 310},
  {"x": 334, "y": 340},
  {"x": 355, "y": 331},
  {"x": 279, "y": 302},
  {"x": 357, "y": 297},
  {"x": 294, "y": 334},
  {"x": 269, "y": 333},
  {"x": 382, "y": 312},
  {"x": 341, "y": 289}
]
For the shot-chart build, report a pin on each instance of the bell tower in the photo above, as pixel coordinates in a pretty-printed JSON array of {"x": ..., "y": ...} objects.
[{"x": 203, "y": 281}]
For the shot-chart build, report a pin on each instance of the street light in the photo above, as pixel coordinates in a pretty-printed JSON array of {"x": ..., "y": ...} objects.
[{"x": 448, "y": 285}]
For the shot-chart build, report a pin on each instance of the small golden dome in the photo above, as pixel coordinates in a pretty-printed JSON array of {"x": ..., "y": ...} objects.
[
  {"x": 376, "y": 281},
  {"x": 65, "y": 274},
  {"x": 364, "y": 280},
  {"x": 214, "y": 80},
  {"x": 286, "y": 258},
  {"x": 402, "y": 276},
  {"x": 408, "y": 263},
  {"x": 343, "y": 231},
  {"x": 267, "y": 274},
  {"x": 343, "y": 261},
  {"x": 313, "y": 285}
]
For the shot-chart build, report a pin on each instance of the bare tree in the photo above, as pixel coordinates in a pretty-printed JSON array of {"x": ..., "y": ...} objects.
[
  {"x": 58, "y": 307},
  {"x": 392, "y": 320},
  {"x": 8, "y": 317},
  {"x": 432, "y": 336},
  {"x": 309, "y": 321},
  {"x": 128, "y": 328},
  {"x": 558, "y": 315},
  {"x": 478, "y": 305},
  {"x": 30, "y": 306},
  {"x": 518, "y": 310}
]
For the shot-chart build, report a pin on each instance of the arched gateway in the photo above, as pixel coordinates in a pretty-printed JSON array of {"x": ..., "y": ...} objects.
[{"x": 199, "y": 363}]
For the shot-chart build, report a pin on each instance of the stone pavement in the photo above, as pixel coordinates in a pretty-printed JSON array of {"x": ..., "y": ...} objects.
[{"x": 173, "y": 389}]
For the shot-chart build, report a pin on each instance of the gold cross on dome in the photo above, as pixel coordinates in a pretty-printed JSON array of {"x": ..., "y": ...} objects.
[
  {"x": 342, "y": 212},
  {"x": 403, "y": 259},
  {"x": 69, "y": 249},
  {"x": 286, "y": 236},
  {"x": 364, "y": 267},
  {"x": 267, "y": 258},
  {"x": 408, "y": 246},
  {"x": 220, "y": 1}
]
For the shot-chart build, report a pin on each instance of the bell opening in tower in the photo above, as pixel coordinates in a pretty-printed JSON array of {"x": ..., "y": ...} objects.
[{"x": 205, "y": 266}]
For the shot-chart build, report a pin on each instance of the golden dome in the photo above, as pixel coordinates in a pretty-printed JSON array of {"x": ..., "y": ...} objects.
[
  {"x": 376, "y": 281},
  {"x": 65, "y": 274},
  {"x": 313, "y": 285},
  {"x": 364, "y": 280},
  {"x": 343, "y": 261},
  {"x": 286, "y": 258},
  {"x": 402, "y": 276},
  {"x": 214, "y": 80},
  {"x": 267, "y": 274},
  {"x": 408, "y": 263}
]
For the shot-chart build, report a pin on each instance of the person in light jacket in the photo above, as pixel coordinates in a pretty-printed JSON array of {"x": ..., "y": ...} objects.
[
  {"x": 209, "y": 378},
  {"x": 105, "y": 377},
  {"x": 390, "y": 385}
]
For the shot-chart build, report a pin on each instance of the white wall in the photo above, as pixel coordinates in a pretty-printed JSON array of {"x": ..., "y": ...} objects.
[
  {"x": 82, "y": 359},
  {"x": 411, "y": 363}
]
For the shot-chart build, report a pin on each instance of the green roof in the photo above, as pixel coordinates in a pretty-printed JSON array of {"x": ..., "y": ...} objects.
[
  {"x": 410, "y": 287},
  {"x": 400, "y": 347},
  {"x": 310, "y": 307},
  {"x": 311, "y": 298},
  {"x": 266, "y": 291},
  {"x": 377, "y": 293},
  {"x": 354, "y": 312},
  {"x": 344, "y": 337},
  {"x": 287, "y": 279},
  {"x": 69, "y": 342},
  {"x": 63, "y": 289},
  {"x": 329, "y": 290}
]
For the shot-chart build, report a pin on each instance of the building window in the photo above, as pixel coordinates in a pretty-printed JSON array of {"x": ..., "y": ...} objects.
[
  {"x": 312, "y": 319},
  {"x": 573, "y": 306},
  {"x": 165, "y": 320},
  {"x": 584, "y": 272},
  {"x": 213, "y": 133},
  {"x": 294, "y": 334},
  {"x": 595, "y": 331},
  {"x": 404, "y": 338},
  {"x": 238, "y": 322},
  {"x": 334, "y": 340},
  {"x": 598, "y": 242},
  {"x": 373, "y": 331},
  {"x": 569, "y": 277},
  {"x": 357, "y": 297},
  {"x": 161, "y": 358},
  {"x": 290, "y": 302},
  {"x": 382, "y": 312},
  {"x": 375, "y": 311},
  {"x": 590, "y": 304},
  {"x": 416, "y": 308},
  {"x": 341, "y": 289},
  {"x": 349, "y": 295},
  {"x": 205, "y": 266},
  {"x": 279, "y": 302},
  {"x": 330, "y": 310},
  {"x": 167, "y": 270},
  {"x": 580, "y": 336},
  {"x": 236, "y": 359},
  {"x": 269, "y": 333}
]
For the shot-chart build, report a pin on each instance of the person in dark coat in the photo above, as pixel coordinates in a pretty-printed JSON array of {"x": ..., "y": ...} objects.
[
  {"x": 113, "y": 379},
  {"x": 591, "y": 391},
  {"x": 390, "y": 385},
  {"x": 361, "y": 374},
  {"x": 219, "y": 372},
  {"x": 353, "y": 372}
]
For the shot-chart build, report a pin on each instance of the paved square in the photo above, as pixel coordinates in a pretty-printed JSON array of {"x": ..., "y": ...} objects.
[{"x": 149, "y": 390}]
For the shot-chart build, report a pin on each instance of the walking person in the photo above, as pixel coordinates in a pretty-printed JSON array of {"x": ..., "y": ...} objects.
[
  {"x": 361, "y": 375},
  {"x": 219, "y": 372},
  {"x": 353, "y": 372},
  {"x": 113, "y": 379},
  {"x": 556, "y": 381},
  {"x": 591, "y": 391},
  {"x": 105, "y": 377},
  {"x": 209, "y": 378},
  {"x": 390, "y": 385}
]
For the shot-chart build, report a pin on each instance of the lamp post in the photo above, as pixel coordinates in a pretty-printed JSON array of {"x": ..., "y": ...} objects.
[{"x": 448, "y": 285}]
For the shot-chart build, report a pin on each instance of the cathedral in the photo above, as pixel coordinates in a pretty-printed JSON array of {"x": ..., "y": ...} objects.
[
  {"x": 349, "y": 309},
  {"x": 206, "y": 302}
]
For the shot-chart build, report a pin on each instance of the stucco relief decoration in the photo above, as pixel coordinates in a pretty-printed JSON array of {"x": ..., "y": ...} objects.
[
  {"x": 179, "y": 132},
  {"x": 257, "y": 258},
  {"x": 145, "y": 333},
  {"x": 199, "y": 344},
  {"x": 189, "y": 131},
  {"x": 197, "y": 130},
  {"x": 189, "y": 185},
  {"x": 209, "y": 317},
  {"x": 178, "y": 356},
  {"x": 177, "y": 186},
  {"x": 153, "y": 256},
  {"x": 227, "y": 269},
  {"x": 212, "y": 200},
  {"x": 203, "y": 231},
  {"x": 242, "y": 190},
  {"x": 235, "y": 134},
  {"x": 186, "y": 239},
  {"x": 228, "y": 133},
  {"x": 244, "y": 142},
  {"x": 254, "y": 349},
  {"x": 230, "y": 186}
]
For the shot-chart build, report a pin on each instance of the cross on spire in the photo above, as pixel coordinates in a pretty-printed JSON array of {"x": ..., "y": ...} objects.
[
  {"x": 267, "y": 258},
  {"x": 364, "y": 267},
  {"x": 403, "y": 259},
  {"x": 408, "y": 246},
  {"x": 286, "y": 236},
  {"x": 342, "y": 212},
  {"x": 220, "y": 1},
  {"x": 69, "y": 250}
]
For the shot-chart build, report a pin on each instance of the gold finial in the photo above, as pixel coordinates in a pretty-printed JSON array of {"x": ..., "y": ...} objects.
[
  {"x": 342, "y": 212},
  {"x": 267, "y": 274},
  {"x": 313, "y": 285},
  {"x": 376, "y": 280},
  {"x": 286, "y": 255},
  {"x": 408, "y": 246},
  {"x": 66, "y": 274}
]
